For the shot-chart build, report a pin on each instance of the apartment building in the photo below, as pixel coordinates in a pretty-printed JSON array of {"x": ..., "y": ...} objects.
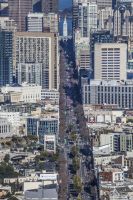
[
  {"x": 39, "y": 48},
  {"x": 119, "y": 142}
]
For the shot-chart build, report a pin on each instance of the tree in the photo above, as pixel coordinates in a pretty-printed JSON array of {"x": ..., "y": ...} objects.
[
  {"x": 74, "y": 151},
  {"x": 7, "y": 158},
  {"x": 77, "y": 184},
  {"x": 75, "y": 164},
  {"x": 8, "y": 143},
  {"x": 79, "y": 197},
  {"x": 32, "y": 137},
  {"x": 42, "y": 157},
  {"x": 37, "y": 158},
  {"x": 73, "y": 136},
  {"x": 13, "y": 198},
  {"x": 7, "y": 171}
]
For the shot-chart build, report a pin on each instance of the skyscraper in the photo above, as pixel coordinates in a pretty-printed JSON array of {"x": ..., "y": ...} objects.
[
  {"x": 6, "y": 57},
  {"x": 87, "y": 19},
  {"x": 123, "y": 21},
  {"x": 18, "y": 10},
  {"x": 75, "y": 15},
  {"x": 50, "y": 6}
]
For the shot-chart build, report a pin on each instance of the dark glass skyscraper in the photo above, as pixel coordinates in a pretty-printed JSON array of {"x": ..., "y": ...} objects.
[
  {"x": 50, "y": 6},
  {"x": 6, "y": 57},
  {"x": 18, "y": 10}
]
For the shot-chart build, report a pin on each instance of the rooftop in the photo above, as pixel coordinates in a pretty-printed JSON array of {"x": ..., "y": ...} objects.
[
  {"x": 111, "y": 83},
  {"x": 47, "y": 192}
]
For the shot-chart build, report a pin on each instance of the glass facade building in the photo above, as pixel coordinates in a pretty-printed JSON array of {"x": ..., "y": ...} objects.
[
  {"x": 6, "y": 57},
  {"x": 42, "y": 126}
]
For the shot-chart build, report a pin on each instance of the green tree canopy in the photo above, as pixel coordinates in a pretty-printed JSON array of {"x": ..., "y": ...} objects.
[
  {"x": 77, "y": 184},
  {"x": 7, "y": 158}
]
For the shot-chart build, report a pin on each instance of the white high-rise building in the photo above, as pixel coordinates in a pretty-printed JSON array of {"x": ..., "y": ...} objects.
[
  {"x": 65, "y": 28},
  {"x": 110, "y": 61},
  {"x": 92, "y": 16}
]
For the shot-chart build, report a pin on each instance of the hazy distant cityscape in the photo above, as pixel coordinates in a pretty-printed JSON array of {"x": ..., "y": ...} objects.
[{"x": 66, "y": 99}]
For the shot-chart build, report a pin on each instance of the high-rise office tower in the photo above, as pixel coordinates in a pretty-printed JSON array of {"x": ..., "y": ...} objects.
[
  {"x": 75, "y": 9},
  {"x": 123, "y": 21},
  {"x": 113, "y": 3},
  {"x": 37, "y": 6},
  {"x": 18, "y": 11},
  {"x": 39, "y": 48},
  {"x": 87, "y": 19},
  {"x": 6, "y": 57},
  {"x": 50, "y": 6},
  {"x": 3, "y": 8},
  {"x": 110, "y": 61}
]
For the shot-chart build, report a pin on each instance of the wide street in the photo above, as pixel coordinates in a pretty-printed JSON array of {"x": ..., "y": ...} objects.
[{"x": 71, "y": 115}]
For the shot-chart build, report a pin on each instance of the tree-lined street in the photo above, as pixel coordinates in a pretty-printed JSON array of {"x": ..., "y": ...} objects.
[{"x": 80, "y": 181}]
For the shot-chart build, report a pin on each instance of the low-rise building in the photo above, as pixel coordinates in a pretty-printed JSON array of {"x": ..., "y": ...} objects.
[
  {"x": 101, "y": 115},
  {"x": 119, "y": 142},
  {"x": 27, "y": 93},
  {"x": 50, "y": 95},
  {"x": 111, "y": 175},
  {"x": 50, "y": 143},
  {"x": 47, "y": 192},
  {"x": 41, "y": 125}
]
